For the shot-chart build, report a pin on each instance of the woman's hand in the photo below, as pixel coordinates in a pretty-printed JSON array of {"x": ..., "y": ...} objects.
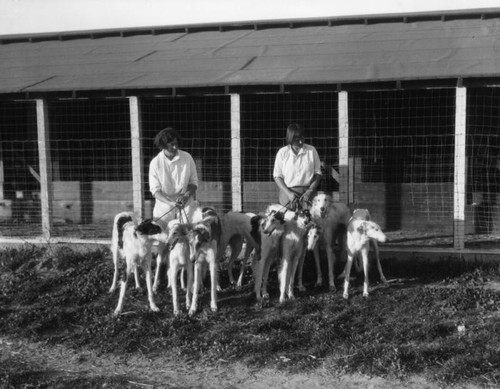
[{"x": 306, "y": 196}]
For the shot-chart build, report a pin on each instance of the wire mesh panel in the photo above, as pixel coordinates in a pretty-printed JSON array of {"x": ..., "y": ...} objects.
[
  {"x": 402, "y": 162},
  {"x": 91, "y": 165},
  {"x": 483, "y": 162},
  {"x": 19, "y": 171},
  {"x": 204, "y": 124},
  {"x": 264, "y": 119}
]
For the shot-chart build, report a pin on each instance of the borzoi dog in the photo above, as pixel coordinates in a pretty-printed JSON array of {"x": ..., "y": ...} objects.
[
  {"x": 333, "y": 218},
  {"x": 179, "y": 259},
  {"x": 313, "y": 235},
  {"x": 359, "y": 234},
  {"x": 188, "y": 214},
  {"x": 293, "y": 251},
  {"x": 204, "y": 240},
  {"x": 364, "y": 214},
  {"x": 271, "y": 229},
  {"x": 237, "y": 226},
  {"x": 134, "y": 242}
]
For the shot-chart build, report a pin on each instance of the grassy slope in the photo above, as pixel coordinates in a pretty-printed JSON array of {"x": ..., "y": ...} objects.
[{"x": 442, "y": 324}]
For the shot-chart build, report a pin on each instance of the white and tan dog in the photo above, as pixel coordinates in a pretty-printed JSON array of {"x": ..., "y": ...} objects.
[
  {"x": 364, "y": 214},
  {"x": 204, "y": 240},
  {"x": 359, "y": 235},
  {"x": 333, "y": 218},
  {"x": 133, "y": 242},
  {"x": 179, "y": 259},
  {"x": 293, "y": 250}
]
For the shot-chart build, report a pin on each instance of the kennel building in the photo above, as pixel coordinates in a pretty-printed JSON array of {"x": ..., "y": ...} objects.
[{"x": 404, "y": 110}]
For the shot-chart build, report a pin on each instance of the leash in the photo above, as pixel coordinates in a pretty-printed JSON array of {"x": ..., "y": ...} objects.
[
  {"x": 166, "y": 213},
  {"x": 182, "y": 209}
]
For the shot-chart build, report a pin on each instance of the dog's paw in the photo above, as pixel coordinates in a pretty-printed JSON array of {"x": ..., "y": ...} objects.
[
  {"x": 346, "y": 296},
  {"x": 302, "y": 288},
  {"x": 154, "y": 308},
  {"x": 332, "y": 288}
]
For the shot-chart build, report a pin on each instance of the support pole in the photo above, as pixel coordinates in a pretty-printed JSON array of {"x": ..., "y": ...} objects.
[
  {"x": 137, "y": 159},
  {"x": 46, "y": 186},
  {"x": 460, "y": 169},
  {"x": 236, "y": 190},
  {"x": 345, "y": 195}
]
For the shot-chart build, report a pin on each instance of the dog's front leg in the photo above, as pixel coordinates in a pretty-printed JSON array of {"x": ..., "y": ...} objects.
[
  {"x": 364, "y": 255},
  {"x": 211, "y": 258},
  {"x": 283, "y": 275},
  {"x": 152, "y": 304},
  {"x": 259, "y": 271},
  {"x": 196, "y": 288},
  {"x": 317, "y": 261},
  {"x": 172, "y": 277},
  {"x": 123, "y": 289},
  {"x": 189, "y": 287},
  {"x": 347, "y": 271},
  {"x": 331, "y": 259}
]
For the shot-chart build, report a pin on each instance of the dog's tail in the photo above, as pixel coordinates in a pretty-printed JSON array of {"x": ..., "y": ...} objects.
[{"x": 119, "y": 223}]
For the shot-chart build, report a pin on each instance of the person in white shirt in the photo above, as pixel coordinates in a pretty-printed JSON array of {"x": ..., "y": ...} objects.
[
  {"x": 297, "y": 170},
  {"x": 173, "y": 179}
]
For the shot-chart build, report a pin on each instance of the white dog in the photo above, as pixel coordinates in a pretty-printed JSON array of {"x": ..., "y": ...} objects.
[
  {"x": 179, "y": 259},
  {"x": 293, "y": 250},
  {"x": 364, "y": 214},
  {"x": 359, "y": 235},
  {"x": 333, "y": 219},
  {"x": 133, "y": 242},
  {"x": 204, "y": 240}
]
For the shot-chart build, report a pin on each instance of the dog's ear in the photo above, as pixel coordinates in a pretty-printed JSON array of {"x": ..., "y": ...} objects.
[
  {"x": 362, "y": 228},
  {"x": 280, "y": 216},
  {"x": 205, "y": 235}
]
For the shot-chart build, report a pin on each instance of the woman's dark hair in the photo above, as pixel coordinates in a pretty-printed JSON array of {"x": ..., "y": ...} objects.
[
  {"x": 166, "y": 136},
  {"x": 293, "y": 132}
]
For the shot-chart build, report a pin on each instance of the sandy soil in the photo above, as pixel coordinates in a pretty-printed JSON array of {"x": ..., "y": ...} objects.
[{"x": 158, "y": 372}]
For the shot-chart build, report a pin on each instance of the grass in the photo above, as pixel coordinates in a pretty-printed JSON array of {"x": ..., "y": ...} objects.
[{"x": 440, "y": 322}]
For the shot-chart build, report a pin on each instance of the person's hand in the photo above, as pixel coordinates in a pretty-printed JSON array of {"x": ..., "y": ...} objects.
[
  {"x": 306, "y": 196},
  {"x": 291, "y": 196},
  {"x": 183, "y": 199}
]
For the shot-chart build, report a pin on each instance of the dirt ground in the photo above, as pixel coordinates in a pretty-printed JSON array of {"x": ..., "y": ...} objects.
[{"x": 159, "y": 372}]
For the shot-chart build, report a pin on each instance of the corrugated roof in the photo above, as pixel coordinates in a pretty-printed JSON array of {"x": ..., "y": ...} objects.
[{"x": 329, "y": 51}]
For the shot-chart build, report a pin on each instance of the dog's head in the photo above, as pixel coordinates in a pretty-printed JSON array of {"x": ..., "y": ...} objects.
[
  {"x": 321, "y": 205},
  {"x": 367, "y": 230},
  {"x": 199, "y": 236},
  {"x": 176, "y": 232},
  {"x": 273, "y": 220},
  {"x": 303, "y": 217},
  {"x": 313, "y": 234},
  {"x": 148, "y": 227}
]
